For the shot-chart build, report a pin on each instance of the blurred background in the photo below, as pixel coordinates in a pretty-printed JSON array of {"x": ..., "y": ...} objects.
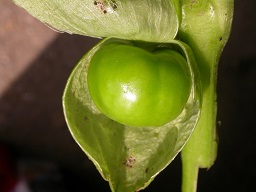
[{"x": 37, "y": 152}]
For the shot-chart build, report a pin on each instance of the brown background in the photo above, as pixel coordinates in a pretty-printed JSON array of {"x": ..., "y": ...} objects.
[{"x": 35, "y": 63}]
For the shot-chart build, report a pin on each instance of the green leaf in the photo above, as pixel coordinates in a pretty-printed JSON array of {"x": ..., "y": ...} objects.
[
  {"x": 147, "y": 20},
  {"x": 128, "y": 157}
]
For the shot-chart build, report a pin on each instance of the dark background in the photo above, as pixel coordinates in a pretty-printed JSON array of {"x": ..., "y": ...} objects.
[{"x": 35, "y": 63}]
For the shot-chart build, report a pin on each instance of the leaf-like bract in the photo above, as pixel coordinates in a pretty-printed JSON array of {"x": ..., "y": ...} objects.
[{"x": 128, "y": 157}]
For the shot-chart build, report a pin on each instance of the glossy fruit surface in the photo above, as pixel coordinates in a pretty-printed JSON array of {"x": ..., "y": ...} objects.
[{"x": 136, "y": 87}]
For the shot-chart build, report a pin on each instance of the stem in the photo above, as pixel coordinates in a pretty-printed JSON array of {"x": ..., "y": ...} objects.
[
  {"x": 205, "y": 27},
  {"x": 189, "y": 174},
  {"x": 201, "y": 149}
]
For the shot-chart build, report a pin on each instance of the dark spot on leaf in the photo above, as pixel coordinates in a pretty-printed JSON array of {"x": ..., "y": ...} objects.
[
  {"x": 220, "y": 38},
  {"x": 146, "y": 171},
  {"x": 193, "y": 2},
  {"x": 129, "y": 162},
  {"x": 114, "y": 5},
  {"x": 101, "y": 5},
  {"x": 85, "y": 118},
  {"x": 105, "y": 6},
  {"x": 126, "y": 148}
]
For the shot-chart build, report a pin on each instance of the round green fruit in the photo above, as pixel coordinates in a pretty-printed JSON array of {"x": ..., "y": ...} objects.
[{"x": 137, "y": 87}]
